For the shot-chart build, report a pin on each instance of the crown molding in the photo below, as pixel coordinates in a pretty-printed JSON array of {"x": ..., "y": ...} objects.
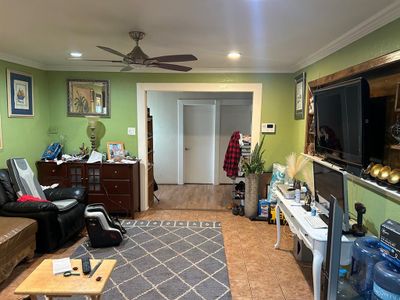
[
  {"x": 383, "y": 17},
  {"x": 21, "y": 61}
]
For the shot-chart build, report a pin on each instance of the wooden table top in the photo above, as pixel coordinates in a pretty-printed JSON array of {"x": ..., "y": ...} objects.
[{"x": 42, "y": 281}]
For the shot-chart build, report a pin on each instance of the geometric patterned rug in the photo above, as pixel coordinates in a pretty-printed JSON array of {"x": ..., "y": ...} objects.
[{"x": 166, "y": 260}]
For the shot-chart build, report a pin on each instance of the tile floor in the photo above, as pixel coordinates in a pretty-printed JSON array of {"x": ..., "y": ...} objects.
[{"x": 256, "y": 269}]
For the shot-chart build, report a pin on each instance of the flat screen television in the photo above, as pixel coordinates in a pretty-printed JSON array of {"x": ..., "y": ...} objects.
[
  {"x": 340, "y": 119},
  {"x": 327, "y": 183}
]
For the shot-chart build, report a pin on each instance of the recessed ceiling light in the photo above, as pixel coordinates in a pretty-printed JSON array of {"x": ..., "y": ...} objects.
[
  {"x": 75, "y": 54},
  {"x": 234, "y": 55}
]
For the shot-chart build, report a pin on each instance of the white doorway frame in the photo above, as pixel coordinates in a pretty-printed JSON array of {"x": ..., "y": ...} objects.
[
  {"x": 181, "y": 135},
  {"x": 143, "y": 88}
]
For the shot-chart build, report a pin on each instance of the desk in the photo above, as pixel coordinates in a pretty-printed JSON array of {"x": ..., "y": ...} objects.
[
  {"x": 314, "y": 239},
  {"x": 42, "y": 281}
]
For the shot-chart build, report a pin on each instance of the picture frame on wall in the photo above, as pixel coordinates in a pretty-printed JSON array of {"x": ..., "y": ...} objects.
[
  {"x": 299, "y": 96},
  {"x": 115, "y": 149},
  {"x": 88, "y": 98},
  {"x": 20, "y": 94}
]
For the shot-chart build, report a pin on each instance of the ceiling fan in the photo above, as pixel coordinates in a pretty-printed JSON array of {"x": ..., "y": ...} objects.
[{"x": 138, "y": 57}]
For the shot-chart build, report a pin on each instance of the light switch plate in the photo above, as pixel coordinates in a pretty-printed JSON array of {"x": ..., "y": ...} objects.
[{"x": 131, "y": 131}]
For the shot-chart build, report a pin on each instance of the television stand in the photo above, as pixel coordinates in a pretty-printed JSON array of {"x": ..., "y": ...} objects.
[
  {"x": 349, "y": 168},
  {"x": 330, "y": 160}
]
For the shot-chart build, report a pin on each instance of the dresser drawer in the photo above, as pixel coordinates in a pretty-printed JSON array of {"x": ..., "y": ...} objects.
[
  {"x": 113, "y": 203},
  {"x": 116, "y": 171},
  {"x": 119, "y": 203},
  {"x": 51, "y": 169},
  {"x": 117, "y": 186}
]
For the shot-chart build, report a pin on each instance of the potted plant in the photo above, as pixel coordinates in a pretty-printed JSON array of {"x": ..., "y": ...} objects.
[{"x": 252, "y": 168}]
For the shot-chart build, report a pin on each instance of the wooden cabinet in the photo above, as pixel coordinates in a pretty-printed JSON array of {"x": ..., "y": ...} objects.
[{"x": 114, "y": 185}]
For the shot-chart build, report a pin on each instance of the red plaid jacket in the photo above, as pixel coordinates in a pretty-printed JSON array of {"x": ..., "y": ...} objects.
[{"x": 232, "y": 156}]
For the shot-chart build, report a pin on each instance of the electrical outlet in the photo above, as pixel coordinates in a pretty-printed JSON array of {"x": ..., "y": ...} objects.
[{"x": 131, "y": 131}]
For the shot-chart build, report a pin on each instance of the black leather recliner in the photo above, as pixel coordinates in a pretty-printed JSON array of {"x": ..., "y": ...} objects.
[{"x": 55, "y": 227}]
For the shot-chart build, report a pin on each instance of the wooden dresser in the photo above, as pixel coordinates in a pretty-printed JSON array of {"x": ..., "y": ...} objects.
[{"x": 114, "y": 185}]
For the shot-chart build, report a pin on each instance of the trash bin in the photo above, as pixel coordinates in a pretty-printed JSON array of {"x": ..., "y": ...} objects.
[{"x": 300, "y": 250}]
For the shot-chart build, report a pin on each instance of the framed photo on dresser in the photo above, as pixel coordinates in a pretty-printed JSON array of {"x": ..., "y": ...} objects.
[{"x": 115, "y": 149}]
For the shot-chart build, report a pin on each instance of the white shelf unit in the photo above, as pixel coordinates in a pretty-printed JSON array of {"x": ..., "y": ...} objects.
[{"x": 245, "y": 152}]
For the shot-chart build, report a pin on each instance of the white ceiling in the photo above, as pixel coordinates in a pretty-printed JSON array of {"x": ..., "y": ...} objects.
[{"x": 272, "y": 35}]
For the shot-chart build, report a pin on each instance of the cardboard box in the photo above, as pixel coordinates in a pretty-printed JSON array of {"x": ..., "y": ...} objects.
[{"x": 390, "y": 238}]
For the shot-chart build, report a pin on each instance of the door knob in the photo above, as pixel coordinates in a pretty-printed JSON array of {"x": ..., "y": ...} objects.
[{"x": 186, "y": 149}]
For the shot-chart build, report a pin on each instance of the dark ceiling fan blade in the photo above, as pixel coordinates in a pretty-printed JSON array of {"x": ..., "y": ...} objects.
[
  {"x": 171, "y": 67},
  {"x": 106, "y": 60},
  {"x": 113, "y": 51},
  {"x": 175, "y": 58},
  {"x": 126, "y": 69}
]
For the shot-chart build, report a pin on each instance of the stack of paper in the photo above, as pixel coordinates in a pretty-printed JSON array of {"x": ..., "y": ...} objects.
[{"x": 61, "y": 265}]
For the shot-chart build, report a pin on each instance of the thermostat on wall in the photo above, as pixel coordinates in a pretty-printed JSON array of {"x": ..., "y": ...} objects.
[{"x": 268, "y": 128}]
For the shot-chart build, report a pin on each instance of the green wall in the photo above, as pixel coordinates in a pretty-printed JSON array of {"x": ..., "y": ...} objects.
[
  {"x": 377, "y": 43},
  {"x": 277, "y": 106},
  {"x": 24, "y": 137}
]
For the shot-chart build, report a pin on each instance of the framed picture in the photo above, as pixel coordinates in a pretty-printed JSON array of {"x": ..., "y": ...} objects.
[
  {"x": 20, "y": 94},
  {"x": 115, "y": 149},
  {"x": 397, "y": 100},
  {"x": 299, "y": 96},
  {"x": 88, "y": 98}
]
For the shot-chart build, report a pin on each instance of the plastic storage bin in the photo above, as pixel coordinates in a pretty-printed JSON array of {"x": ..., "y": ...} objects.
[
  {"x": 386, "y": 284},
  {"x": 366, "y": 254}
]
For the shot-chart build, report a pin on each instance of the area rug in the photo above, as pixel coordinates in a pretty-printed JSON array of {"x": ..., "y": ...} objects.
[{"x": 166, "y": 260}]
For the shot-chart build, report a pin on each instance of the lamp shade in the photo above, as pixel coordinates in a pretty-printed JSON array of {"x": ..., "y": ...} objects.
[{"x": 92, "y": 120}]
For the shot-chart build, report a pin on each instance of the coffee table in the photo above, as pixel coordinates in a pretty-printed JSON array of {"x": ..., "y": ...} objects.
[{"x": 42, "y": 281}]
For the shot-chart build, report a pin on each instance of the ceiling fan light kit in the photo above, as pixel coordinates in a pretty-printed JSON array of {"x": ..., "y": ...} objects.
[{"x": 138, "y": 57}]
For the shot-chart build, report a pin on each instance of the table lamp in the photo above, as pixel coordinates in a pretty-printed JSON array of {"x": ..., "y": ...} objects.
[{"x": 92, "y": 121}]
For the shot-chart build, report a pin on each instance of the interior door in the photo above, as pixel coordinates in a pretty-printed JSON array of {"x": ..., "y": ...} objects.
[
  {"x": 232, "y": 118},
  {"x": 199, "y": 132}
]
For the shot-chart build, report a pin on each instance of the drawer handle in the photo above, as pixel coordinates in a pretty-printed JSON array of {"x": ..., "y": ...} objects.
[
  {"x": 115, "y": 172},
  {"x": 116, "y": 186},
  {"x": 53, "y": 171},
  {"x": 120, "y": 202}
]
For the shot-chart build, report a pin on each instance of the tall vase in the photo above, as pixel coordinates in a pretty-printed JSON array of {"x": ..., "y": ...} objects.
[{"x": 251, "y": 195}]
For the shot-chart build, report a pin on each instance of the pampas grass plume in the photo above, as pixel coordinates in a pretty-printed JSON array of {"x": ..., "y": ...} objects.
[{"x": 295, "y": 163}]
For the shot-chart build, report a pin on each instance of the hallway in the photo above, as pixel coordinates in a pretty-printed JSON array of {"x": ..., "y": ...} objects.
[{"x": 193, "y": 196}]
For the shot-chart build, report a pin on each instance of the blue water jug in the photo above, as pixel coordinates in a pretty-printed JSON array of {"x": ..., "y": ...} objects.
[{"x": 366, "y": 254}]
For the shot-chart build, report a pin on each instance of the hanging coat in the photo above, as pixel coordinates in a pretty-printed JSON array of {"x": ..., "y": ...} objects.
[{"x": 232, "y": 156}]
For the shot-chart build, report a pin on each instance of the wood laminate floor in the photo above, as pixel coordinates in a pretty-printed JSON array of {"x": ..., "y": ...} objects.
[
  {"x": 194, "y": 196},
  {"x": 256, "y": 270}
]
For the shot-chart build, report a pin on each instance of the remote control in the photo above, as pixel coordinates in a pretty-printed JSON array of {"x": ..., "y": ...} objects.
[{"x": 86, "y": 265}]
